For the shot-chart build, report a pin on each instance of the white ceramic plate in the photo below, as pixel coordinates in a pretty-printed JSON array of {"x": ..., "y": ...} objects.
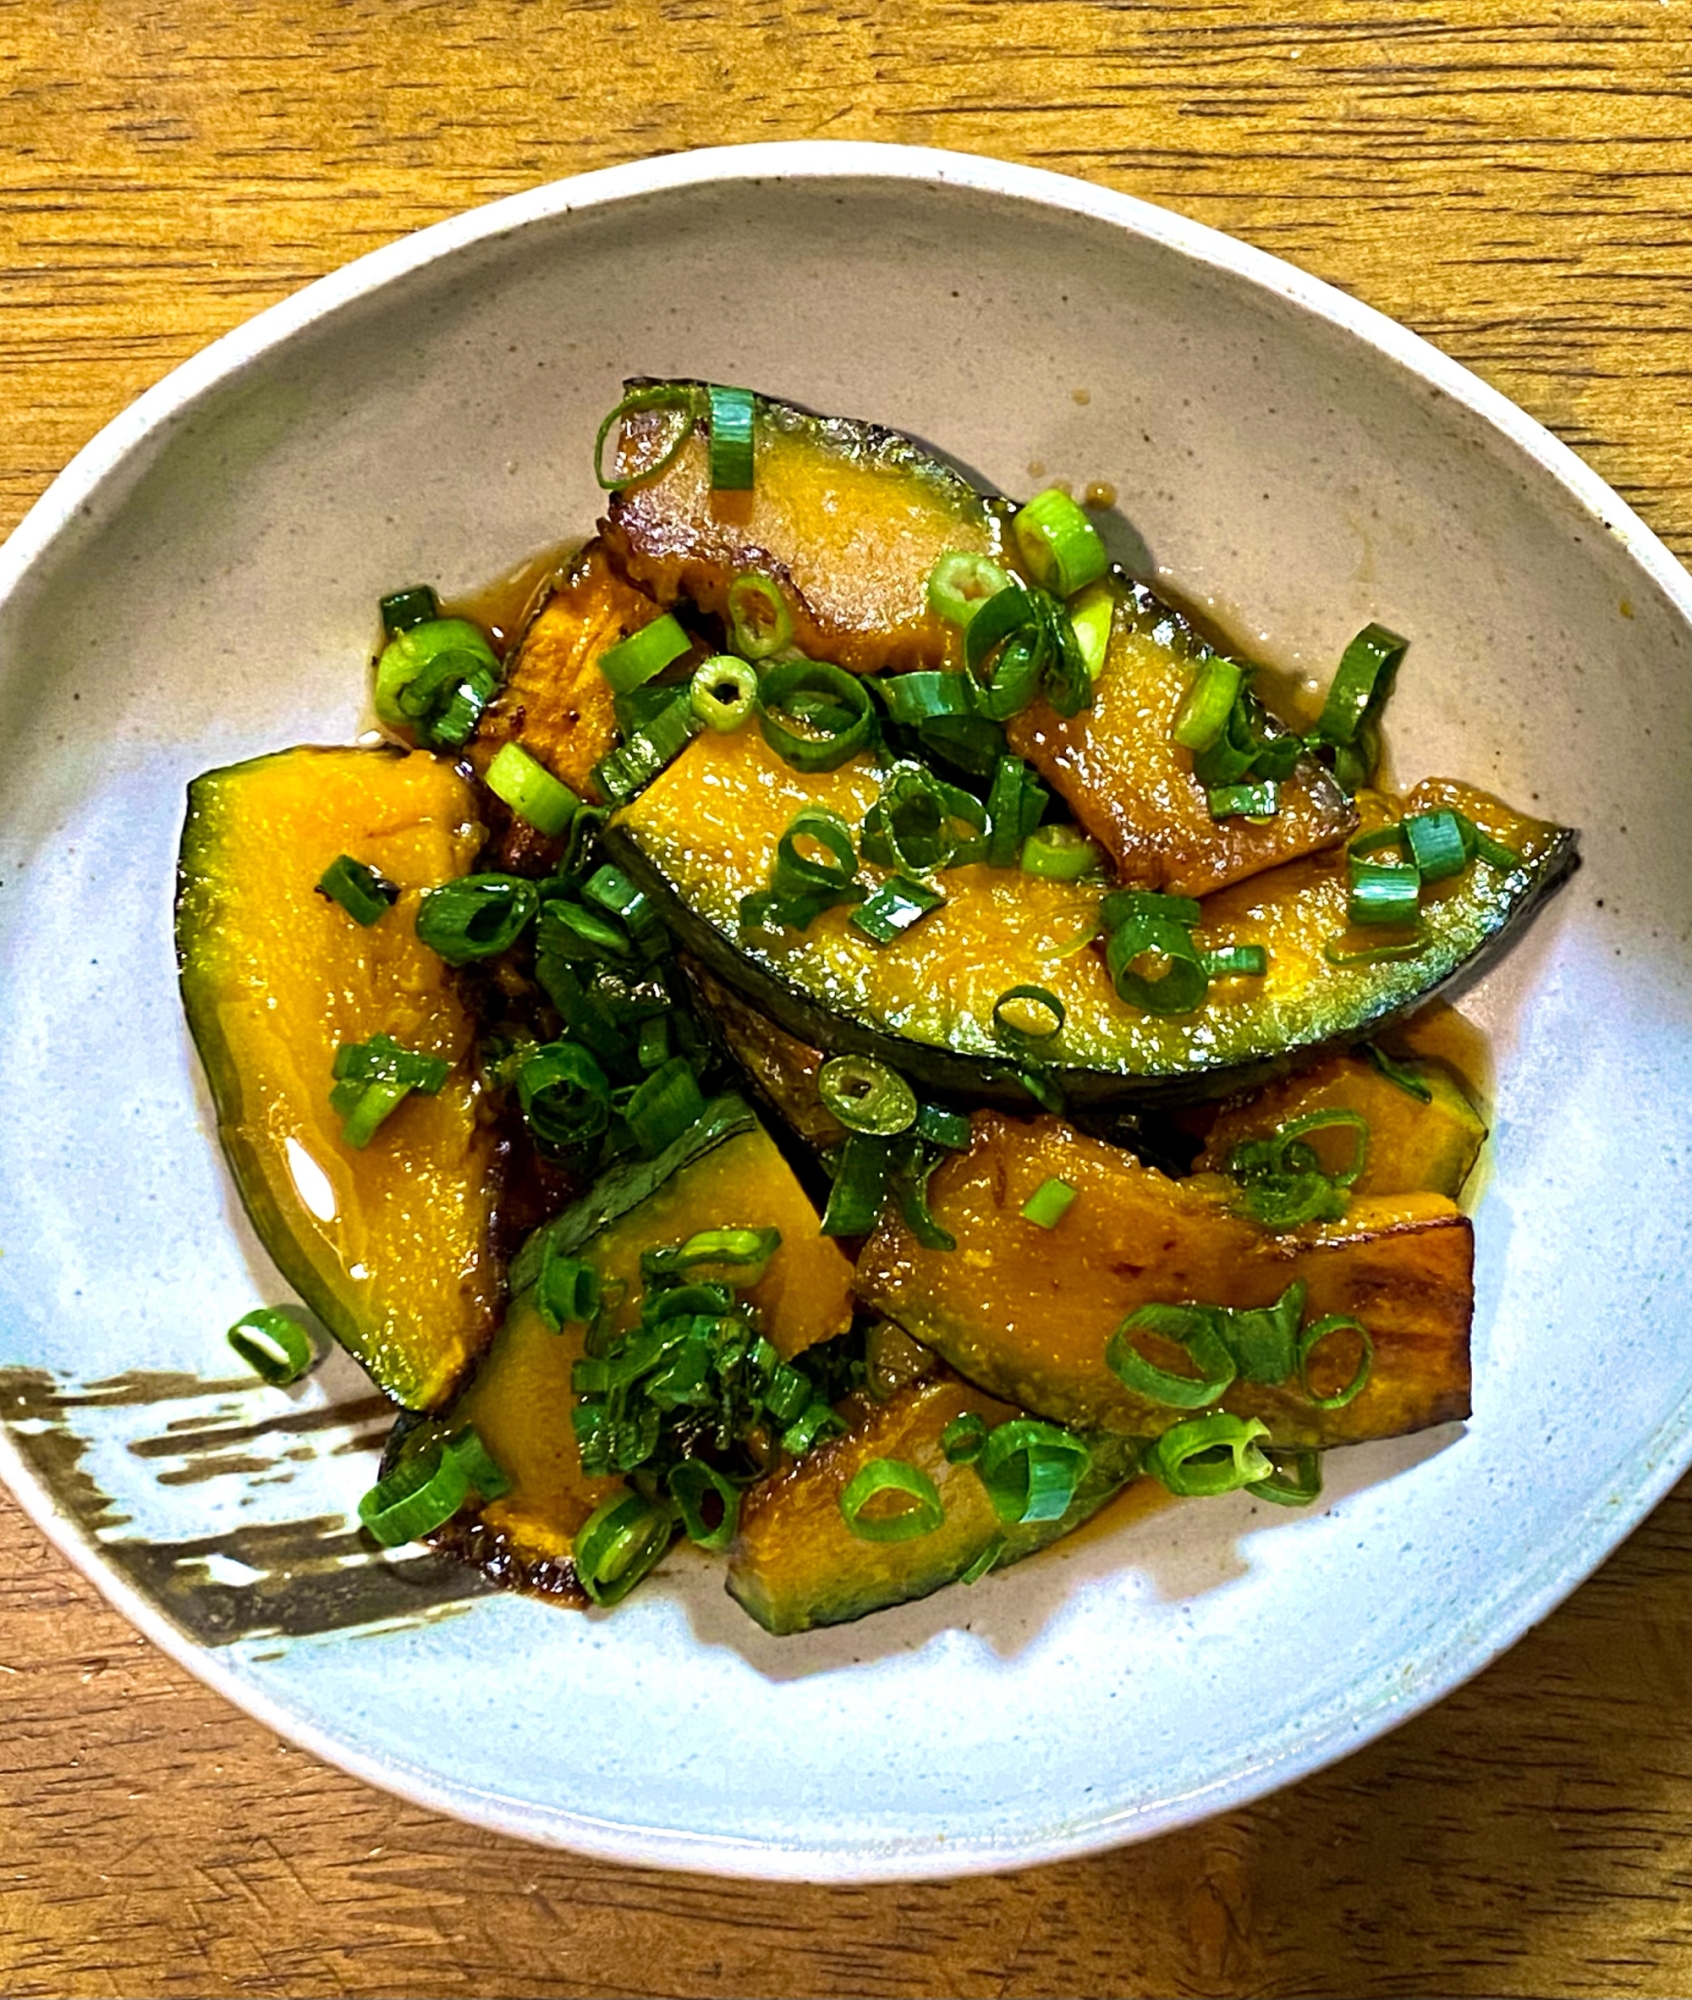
[{"x": 198, "y": 586}]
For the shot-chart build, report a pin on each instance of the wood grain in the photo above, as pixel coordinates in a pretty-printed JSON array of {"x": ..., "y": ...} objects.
[{"x": 1514, "y": 181}]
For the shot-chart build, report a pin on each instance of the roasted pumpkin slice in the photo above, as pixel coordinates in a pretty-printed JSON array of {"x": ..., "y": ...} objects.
[
  {"x": 555, "y": 702},
  {"x": 1029, "y": 1312},
  {"x": 1131, "y": 785},
  {"x": 388, "y": 1245},
  {"x": 846, "y": 518},
  {"x": 725, "y": 1173},
  {"x": 704, "y": 834},
  {"x": 795, "y": 1564},
  {"x": 782, "y": 1069},
  {"x": 1413, "y": 1142}
]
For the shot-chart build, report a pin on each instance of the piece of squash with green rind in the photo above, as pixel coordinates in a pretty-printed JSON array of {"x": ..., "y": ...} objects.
[
  {"x": 847, "y": 518},
  {"x": 388, "y": 1246},
  {"x": 1028, "y": 1312},
  {"x": 794, "y": 1564},
  {"x": 782, "y": 1069},
  {"x": 1411, "y": 1145},
  {"x": 704, "y": 834},
  {"x": 1117, "y": 767}
]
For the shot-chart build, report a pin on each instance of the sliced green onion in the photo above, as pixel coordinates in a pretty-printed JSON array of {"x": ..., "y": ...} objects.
[
  {"x": 942, "y": 1128},
  {"x": 867, "y": 1096},
  {"x": 894, "y": 908},
  {"x": 861, "y": 1177},
  {"x": 612, "y": 890},
  {"x": 1263, "y": 1340},
  {"x": 1397, "y": 1072},
  {"x": 1031, "y": 1470},
  {"x": 476, "y": 916},
  {"x": 1015, "y": 804},
  {"x": 531, "y": 791},
  {"x": 807, "y": 1431},
  {"x": 833, "y": 704},
  {"x": 273, "y": 1344},
  {"x": 960, "y": 583},
  {"x": 618, "y": 1544},
  {"x": 891, "y": 1476},
  {"x": 417, "y": 1497},
  {"x": 1493, "y": 852},
  {"x": 628, "y": 770},
  {"x": 567, "y": 1292},
  {"x": 1092, "y": 616},
  {"x": 1296, "y": 1479},
  {"x": 652, "y": 1045},
  {"x": 372, "y": 1078},
  {"x": 1254, "y": 801},
  {"x": 1383, "y": 892},
  {"x": 1186, "y": 1458},
  {"x": 403, "y": 609},
  {"x": 912, "y": 1170},
  {"x": 983, "y": 1562},
  {"x": 1436, "y": 844},
  {"x": 723, "y": 693},
  {"x": 759, "y": 621},
  {"x": 360, "y": 890},
  {"x": 1207, "y": 704},
  {"x": 667, "y": 1104},
  {"x": 748, "y": 1250},
  {"x": 1284, "y": 1183},
  {"x": 1191, "y": 1328},
  {"x": 1141, "y": 922},
  {"x": 1236, "y": 961},
  {"x": 652, "y": 396},
  {"x": 1049, "y": 1010},
  {"x": 1312, "y": 1338},
  {"x": 362, "y": 1108},
  {"x": 436, "y": 678},
  {"x": 962, "y": 1439},
  {"x": 633, "y": 661},
  {"x": 1349, "y": 725},
  {"x": 699, "y": 1492},
  {"x": 1049, "y": 1203},
  {"x": 1060, "y": 853},
  {"x": 1007, "y": 649},
  {"x": 920, "y": 824},
  {"x": 804, "y": 883},
  {"x": 487, "y": 1477},
  {"x": 731, "y": 439},
  {"x": 1059, "y": 545},
  {"x": 917, "y": 698},
  {"x": 565, "y": 1095}
]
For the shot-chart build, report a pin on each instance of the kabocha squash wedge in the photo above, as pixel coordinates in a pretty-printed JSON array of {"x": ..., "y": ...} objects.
[
  {"x": 781, "y": 1068},
  {"x": 1132, "y": 787},
  {"x": 795, "y": 1564},
  {"x": 389, "y": 1246},
  {"x": 1028, "y": 1312},
  {"x": 704, "y": 835},
  {"x": 726, "y": 1173},
  {"x": 847, "y": 519}
]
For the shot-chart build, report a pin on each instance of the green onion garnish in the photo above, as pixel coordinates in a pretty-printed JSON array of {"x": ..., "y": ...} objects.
[
  {"x": 661, "y": 740},
  {"x": 816, "y": 868},
  {"x": 1263, "y": 1340},
  {"x": 1436, "y": 844},
  {"x": 436, "y": 678},
  {"x": 920, "y": 823},
  {"x": 1208, "y": 703},
  {"x": 360, "y": 890},
  {"x": 1312, "y": 1338},
  {"x": 1348, "y": 728},
  {"x": 723, "y": 692},
  {"x": 1031, "y": 1470},
  {"x": 618, "y": 1544},
  {"x": 942, "y": 1128},
  {"x": 476, "y": 916},
  {"x": 1383, "y": 892},
  {"x": 894, "y": 908},
  {"x": 372, "y": 1078},
  {"x": 273, "y": 1344},
  {"x": 731, "y": 439},
  {"x": 746, "y": 1251},
  {"x": 1397, "y": 1072},
  {"x": 960, "y": 583},
  {"x": 861, "y": 1178},
  {"x": 423, "y": 1493},
  {"x": 1092, "y": 616},
  {"x": 832, "y": 705},
  {"x": 1014, "y": 647},
  {"x": 1049, "y": 1203},
  {"x": 1015, "y": 804},
  {"x": 684, "y": 400},
  {"x": 1025, "y": 1019},
  {"x": 983, "y": 1562},
  {"x": 760, "y": 623},
  {"x": 867, "y": 1096},
  {"x": 567, "y": 1290},
  {"x": 633, "y": 661},
  {"x": 1192, "y": 1329},
  {"x": 403, "y": 609},
  {"x": 962, "y": 1439},
  {"x": 1058, "y": 544},
  {"x": 817, "y": 1422},
  {"x": 1206, "y": 1457},
  {"x": 1295, "y": 1481},
  {"x": 1142, "y": 921},
  {"x": 1236, "y": 961},
  {"x": 1493, "y": 852},
  {"x": 922, "y": 1514},
  {"x": 709, "y": 1506},
  {"x": 667, "y": 1104},
  {"x": 1282, "y": 1179},
  {"x": 1256, "y": 801},
  {"x": 652, "y": 1044},
  {"x": 565, "y": 1095},
  {"x": 531, "y": 791},
  {"x": 1060, "y": 853}
]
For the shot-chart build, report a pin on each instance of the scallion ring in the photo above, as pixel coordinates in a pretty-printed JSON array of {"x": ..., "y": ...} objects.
[
  {"x": 420, "y": 1495},
  {"x": 1059, "y": 545},
  {"x": 565, "y": 1095},
  {"x": 962, "y": 1439},
  {"x": 723, "y": 692},
  {"x": 1206, "y": 1457},
  {"x": 1060, "y": 853},
  {"x": 618, "y": 1544},
  {"x": 684, "y": 401},
  {"x": 1312, "y": 1338},
  {"x": 867, "y": 1096},
  {"x": 1208, "y": 703},
  {"x": 1048, "y": 1013},
  {"x": 892, "y": 1476},
  {"x": 709, "y": 1506},
  {"x": 531, "y": 791},
  {"x": 1050, "y": 1202},
  {"x": 1191, "y": 1328},
  {"x": 732, "y": 422},
  {"x": 1295, "y": 1479},
  {"x": 476, "y": 916},
  {"x": 961, "y": 582},
  {"x": 759, "y": 621},
  {"x": 827, "y": 701},
  {"x": 1031, "y": 1470},
  {"x": 274, "y": 1345}
]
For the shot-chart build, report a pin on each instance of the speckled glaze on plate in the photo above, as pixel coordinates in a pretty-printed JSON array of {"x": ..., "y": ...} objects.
[{"x": 198, "y": 586}]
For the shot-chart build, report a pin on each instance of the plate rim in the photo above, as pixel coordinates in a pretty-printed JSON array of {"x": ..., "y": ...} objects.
[{"x": 1510, "y": 1610}]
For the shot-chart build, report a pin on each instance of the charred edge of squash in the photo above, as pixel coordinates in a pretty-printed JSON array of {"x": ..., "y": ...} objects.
[{"x": 469, "y": 1539}]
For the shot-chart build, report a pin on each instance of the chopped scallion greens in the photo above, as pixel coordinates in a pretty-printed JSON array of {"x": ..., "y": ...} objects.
[
  {"x": 961, "y": 582},
  {"x": 531, "y": 791},
  {"x": 633, "y": 661},
  {"x": 1206, "y": 1457},
  {"x": 894, "y": 908},
  {"x": 273, "y": 1344},
  {"x": 732, "y": 420},
  {"x": 831, "y": 707},
  {"x": 619, "y": 1543},
  {"x": 372, "y": 1078},
  {"x": 364, "y": 894},
  {"x": 723, "y": 692},
  {"x": 921, "y": 1513},
  {"x": 867, "y": 1096},
  {"x": 760, "y": 623},
  {"x": 1049, "y": 1203},
  {"x": 1031, "y": 1470},
  {"x": 476, "y": 916},
  {"x": 1059, "y": 545}
]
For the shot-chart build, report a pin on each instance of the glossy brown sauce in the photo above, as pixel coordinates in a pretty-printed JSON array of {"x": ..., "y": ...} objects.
[{"x": 504, "y": 607}]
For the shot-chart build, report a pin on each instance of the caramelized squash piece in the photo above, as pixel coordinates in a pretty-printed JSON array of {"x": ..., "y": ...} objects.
[
  {"x": 388, "y": 1246},
  {"x": 782, "y": 1068},
  {"x": 795, "y": 1564},
  {"x": 1411, "y": 1146},
  {"x": 1027, "y": 1312},
  {"x": 1132, "y": 787},
  {"x": 847, "y": 518},
  {"x": 704, "y": 834},
  {"x": 555, "y": 701}
]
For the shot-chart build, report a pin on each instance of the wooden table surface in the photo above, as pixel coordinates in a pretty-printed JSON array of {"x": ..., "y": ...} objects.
[{"x": 1515, "y": 182}]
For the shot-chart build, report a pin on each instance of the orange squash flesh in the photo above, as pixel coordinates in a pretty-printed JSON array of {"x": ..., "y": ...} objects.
[
  {"x": 389, "y": 1246},
  {"x": 1132, "y": 787},
  {"x": 1027, "y": 1312}
]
